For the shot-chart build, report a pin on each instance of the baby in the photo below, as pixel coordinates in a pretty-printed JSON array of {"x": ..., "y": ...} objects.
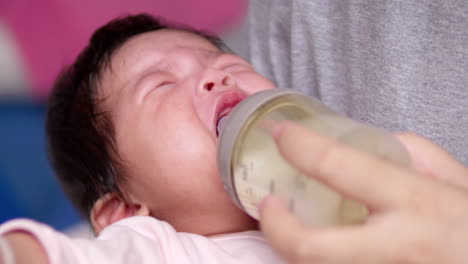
[{"x": 132, "y": 131}]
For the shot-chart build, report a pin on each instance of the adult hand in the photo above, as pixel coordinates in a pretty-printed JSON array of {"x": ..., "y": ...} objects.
[{"x": 417, "y": 215}]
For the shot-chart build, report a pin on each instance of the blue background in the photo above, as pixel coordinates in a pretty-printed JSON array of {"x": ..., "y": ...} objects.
[{"x": 28, "y": 187}]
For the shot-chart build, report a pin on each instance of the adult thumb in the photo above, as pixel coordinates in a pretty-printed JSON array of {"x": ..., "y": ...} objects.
[{"x": 279, "y": 226}]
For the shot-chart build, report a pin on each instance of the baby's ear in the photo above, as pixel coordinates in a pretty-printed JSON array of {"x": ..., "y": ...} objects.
[{"x": 111, "y": 208}]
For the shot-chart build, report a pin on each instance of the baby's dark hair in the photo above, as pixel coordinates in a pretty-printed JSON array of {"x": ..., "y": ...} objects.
[{"x": 80, "y": 132}]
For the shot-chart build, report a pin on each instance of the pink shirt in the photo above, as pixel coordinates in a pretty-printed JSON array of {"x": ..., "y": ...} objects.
[{"x": 143, "y": 239}]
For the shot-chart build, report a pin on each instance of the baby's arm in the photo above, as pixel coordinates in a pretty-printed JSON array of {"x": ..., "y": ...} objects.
[
  {"x": 134, "y": 240},
  {"x": 24, "y": 249},
  {"x": 139, "y": 239},
  {"x": 34, "y": 242}
]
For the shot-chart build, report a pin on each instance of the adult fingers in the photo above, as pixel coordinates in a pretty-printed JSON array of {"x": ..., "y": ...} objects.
[
  {"x": 368, "y": 179},
  {"x": 298, "y": 244},
  {"x": 280, "y": 227},
  {"x": 430, "y": 160}
]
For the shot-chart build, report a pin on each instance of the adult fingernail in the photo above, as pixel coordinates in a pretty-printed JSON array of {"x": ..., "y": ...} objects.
[
  {"x": 269, "y": 200},
  {"x": 262, "y": 204},
  {"x": 278, "y": 129}
]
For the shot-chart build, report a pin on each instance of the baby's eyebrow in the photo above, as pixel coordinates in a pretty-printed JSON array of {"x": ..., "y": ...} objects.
[
  {"x": 208, "y": 53},
  {"x": 164, "y": 66},
  {"x": 173, "y": 65}
]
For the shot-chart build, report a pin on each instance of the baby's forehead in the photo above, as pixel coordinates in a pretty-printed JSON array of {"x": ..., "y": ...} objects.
[
  {"x": 164, "y": 40},
  {"x": 153, "y": 47}
]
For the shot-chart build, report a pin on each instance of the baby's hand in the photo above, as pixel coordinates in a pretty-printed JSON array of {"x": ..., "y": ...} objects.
[
  {"x": 417, "y": 215},
  {"x": 21, "y": 248}
]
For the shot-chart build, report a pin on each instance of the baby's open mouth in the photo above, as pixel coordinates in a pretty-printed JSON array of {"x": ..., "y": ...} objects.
[
  {"x": 220, "y": 125},
  {"x": 225, "y": 106}
]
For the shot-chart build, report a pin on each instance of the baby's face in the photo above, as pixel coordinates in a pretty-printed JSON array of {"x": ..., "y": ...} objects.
[{"x": 166, "y": 90}]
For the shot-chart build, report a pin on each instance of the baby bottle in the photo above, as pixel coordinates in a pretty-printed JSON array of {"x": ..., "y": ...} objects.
[{"x": 251, "y": 166}]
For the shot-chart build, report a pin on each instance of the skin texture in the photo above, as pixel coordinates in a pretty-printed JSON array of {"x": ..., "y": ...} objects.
[
  {"x": 26, "y": 249},
  {"x": 419, "y": 216},
  {"x": 162, "y": 89},
  {"x": 166, "y": 136}
]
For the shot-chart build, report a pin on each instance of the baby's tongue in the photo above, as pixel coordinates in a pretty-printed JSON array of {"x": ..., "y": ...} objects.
[{"x": 221, "y": 124}]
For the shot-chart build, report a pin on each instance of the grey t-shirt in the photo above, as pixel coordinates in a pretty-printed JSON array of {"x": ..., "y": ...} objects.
[{"x": 400, "y": 65}]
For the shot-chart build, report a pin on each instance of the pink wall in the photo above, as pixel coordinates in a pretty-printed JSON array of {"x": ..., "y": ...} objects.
[{"x": 50, "y": 33}]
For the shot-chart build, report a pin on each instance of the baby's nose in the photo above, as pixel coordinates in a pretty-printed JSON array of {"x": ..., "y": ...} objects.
[{"x": 215, "y": 79}]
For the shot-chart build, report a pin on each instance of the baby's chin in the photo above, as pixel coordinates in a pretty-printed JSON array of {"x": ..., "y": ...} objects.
[
  {"x": 222, "y": 217},
  {"x": 234, "y": 222}
]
